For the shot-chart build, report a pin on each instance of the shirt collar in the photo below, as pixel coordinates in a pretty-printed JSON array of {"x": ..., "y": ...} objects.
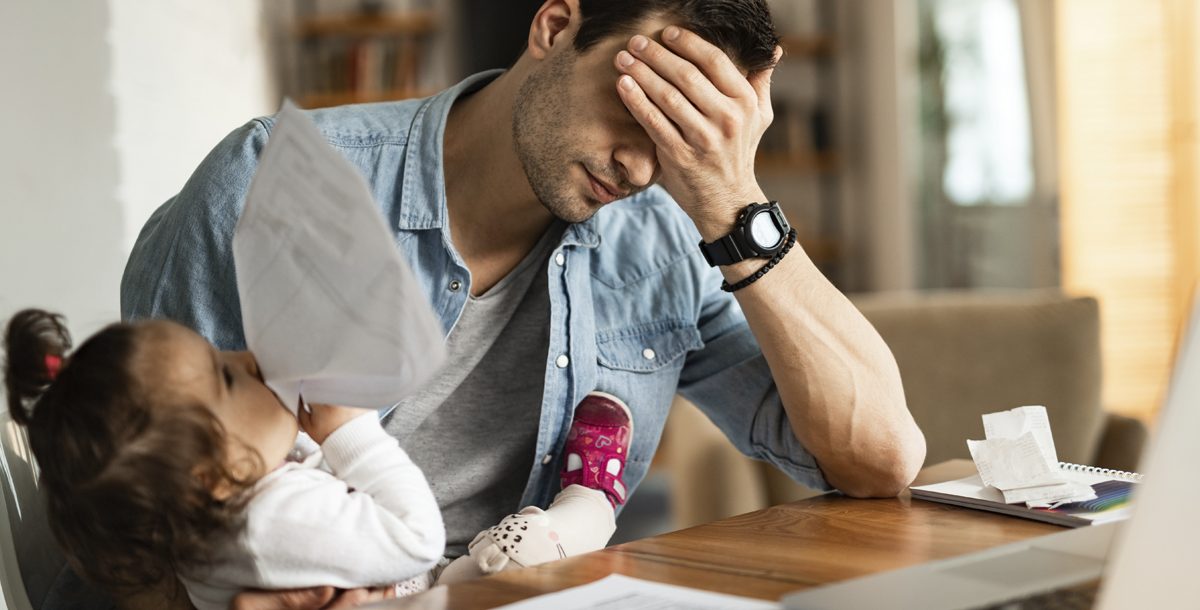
[
  {"x": 424, "y": 172},
  {"x": 423, "y": 190},
  {"x": 582, "y": 234}
]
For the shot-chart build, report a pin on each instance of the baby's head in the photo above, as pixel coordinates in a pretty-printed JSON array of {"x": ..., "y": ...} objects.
[{"x": 147, "y": 438}]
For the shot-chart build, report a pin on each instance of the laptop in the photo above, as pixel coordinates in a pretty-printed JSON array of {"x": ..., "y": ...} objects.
[{"x": 1150, "y": 561}]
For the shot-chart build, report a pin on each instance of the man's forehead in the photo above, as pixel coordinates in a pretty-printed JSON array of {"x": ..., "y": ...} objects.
[{"x": 650, "y": 27}]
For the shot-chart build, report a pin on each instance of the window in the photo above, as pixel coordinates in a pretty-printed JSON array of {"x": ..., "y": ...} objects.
[
  {"x": 986, "y": 215},
  {"x": 984, "y": 100}
]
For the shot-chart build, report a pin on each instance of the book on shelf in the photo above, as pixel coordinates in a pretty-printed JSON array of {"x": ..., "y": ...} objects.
[
  {"x": 371, "y": 65},
  {"x": 362, "y": 57},
  {"x": 1114, "y": 490}
]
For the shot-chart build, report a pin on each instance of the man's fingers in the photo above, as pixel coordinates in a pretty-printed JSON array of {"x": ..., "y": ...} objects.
[
  {"x": 682, "y": 74},
  {"x": 761, "y": 82},
  {"x": 306, "y": 418},
  {"x": 313, "y": 598},
  {"x": 671, "y": 101},
  {"x": 657, "y": 125},
  {"x": 762, "y": 89},
  {"x": 710, "y": 59},
  {"x": 357, "y": 597},
  {"x": 304, "y": 599}
]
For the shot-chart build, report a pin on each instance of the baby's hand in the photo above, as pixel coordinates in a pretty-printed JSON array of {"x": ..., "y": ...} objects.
[{"x": 319, "y": 421}]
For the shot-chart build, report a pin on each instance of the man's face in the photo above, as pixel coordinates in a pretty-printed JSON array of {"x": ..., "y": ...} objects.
[{"x": 580, "y": 147}]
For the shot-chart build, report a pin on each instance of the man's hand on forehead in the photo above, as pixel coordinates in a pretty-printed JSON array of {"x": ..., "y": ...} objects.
[{"x": 705, "y": 117}]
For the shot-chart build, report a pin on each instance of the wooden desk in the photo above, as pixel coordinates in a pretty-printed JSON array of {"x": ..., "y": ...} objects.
[{"x": 767, "y": 553}]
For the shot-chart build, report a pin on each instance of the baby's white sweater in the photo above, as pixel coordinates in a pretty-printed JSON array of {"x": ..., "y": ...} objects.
[{"x": 374, "y": 521}]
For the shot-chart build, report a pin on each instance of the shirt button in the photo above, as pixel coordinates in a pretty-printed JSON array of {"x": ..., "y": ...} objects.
[
  {"x": 455, "y": 285},
  {"x": 560, "y": 259},
  {"x": 648, "y": 354},
  {"x": 547, "y": 459},
  {"x": 562, "y": 361}
]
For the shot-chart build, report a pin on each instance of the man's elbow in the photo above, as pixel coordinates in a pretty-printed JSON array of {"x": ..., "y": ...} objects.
[
  {"x": 907, "y": 463},
  {"x": 889, "y": 472}
]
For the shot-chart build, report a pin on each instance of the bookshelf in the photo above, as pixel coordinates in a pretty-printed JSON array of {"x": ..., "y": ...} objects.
[
  {"x": 798, "y": 160},
  {"x": 362, "y": 56},
  {"x": 807, "y": 46}
]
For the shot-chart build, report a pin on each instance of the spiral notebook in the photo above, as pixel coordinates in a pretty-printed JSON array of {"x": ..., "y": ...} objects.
[{"x": 1114, "y": 489}]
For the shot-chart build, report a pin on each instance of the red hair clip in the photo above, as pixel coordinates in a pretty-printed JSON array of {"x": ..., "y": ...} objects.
[{"x": 53, "y": 365}]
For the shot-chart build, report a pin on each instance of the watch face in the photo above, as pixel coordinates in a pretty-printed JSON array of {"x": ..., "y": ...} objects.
[{"x": 764, "y": 232}]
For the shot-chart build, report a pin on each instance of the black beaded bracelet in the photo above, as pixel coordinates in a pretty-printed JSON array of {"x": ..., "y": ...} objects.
[{"x": 791, "y": 241}]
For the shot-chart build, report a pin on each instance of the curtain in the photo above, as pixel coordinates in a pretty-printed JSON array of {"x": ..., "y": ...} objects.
[{"x": 1127, "y": 113}]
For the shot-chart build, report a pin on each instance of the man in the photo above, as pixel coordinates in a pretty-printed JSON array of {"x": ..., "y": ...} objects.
[{"x": 524, "y": 202}]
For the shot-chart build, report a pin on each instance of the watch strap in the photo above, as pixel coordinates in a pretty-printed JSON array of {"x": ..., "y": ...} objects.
[
  {"x": 724, "y": 251},
  {"x": 736, "y": 246}
]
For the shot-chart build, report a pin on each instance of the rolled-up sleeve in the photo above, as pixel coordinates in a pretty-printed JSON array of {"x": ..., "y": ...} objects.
[
  {"x": 729, "y": 380},
  {"x": 181, "y": 267}
]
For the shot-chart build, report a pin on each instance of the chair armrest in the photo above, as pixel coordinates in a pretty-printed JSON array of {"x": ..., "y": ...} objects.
[{"x": 1121, "y": 443}]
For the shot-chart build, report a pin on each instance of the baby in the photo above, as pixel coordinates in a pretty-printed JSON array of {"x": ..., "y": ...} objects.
[{"x": 162, "y": 456}]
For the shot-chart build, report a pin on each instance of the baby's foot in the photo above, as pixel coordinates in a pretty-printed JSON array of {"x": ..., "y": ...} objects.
[
  {"x": 525, "y": 539},
  {"x": 598, "y": 444}
]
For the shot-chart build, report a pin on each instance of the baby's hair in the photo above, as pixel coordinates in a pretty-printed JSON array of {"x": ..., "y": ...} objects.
[{"x": 127, "y": 470}]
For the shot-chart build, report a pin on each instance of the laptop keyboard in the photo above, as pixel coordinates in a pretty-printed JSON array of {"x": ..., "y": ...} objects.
[{"x": 1078, "y": 597}]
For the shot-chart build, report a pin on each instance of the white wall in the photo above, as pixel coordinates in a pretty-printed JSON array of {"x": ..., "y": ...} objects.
[
  {"x": 185, "y": 73},
  {"x": 61, "y": 226},
  {"x": 108, "y": 108}
]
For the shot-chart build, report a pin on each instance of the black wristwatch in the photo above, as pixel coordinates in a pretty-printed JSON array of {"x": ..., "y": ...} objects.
[{"x": 761, "y": 232}]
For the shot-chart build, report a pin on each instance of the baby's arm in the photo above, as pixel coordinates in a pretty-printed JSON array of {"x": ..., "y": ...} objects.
[{"x": 376, "y": 523}]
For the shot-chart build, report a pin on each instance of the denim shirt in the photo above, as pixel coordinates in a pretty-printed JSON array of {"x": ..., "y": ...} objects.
[{"x": 634, "y": 309}]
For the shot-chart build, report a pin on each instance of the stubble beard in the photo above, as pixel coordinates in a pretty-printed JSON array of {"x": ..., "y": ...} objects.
[{"x": 541, "y": 134}]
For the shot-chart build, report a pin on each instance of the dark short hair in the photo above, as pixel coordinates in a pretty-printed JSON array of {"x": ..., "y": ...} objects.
[
  {"x": 741, "y": 28},
  {"x": 127, "y": 481}
]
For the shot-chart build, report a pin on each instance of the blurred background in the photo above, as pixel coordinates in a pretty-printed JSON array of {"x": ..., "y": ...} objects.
[{"x": 986, "y": 149}]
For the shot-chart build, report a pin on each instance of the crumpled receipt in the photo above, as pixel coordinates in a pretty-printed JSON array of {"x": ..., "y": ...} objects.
[
  {"x": 1019, "y": 459},
  {"x": 329, "y": 308}
]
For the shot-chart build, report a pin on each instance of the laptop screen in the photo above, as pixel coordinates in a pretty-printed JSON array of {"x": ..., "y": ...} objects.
[{"x": 1154, "y": 564}]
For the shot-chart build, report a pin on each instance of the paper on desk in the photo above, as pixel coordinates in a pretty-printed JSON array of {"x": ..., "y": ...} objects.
[
  {"x": 1015, "y": 422},
  {"x": 1018, "y": 457},
  {"x": 329, "y": 308},
  {"x": 1013, "y": 463},
  {"x": 1065, "y": 494},
  {"x": 617, "y": 592},
  {"x": 1049, "y": 494}
]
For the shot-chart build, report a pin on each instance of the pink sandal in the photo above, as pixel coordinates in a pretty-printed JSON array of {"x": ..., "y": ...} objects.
[{"x": 598, "y": 445}]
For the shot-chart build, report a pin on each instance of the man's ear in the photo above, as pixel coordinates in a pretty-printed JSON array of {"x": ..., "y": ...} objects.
[{"x": 554, "y": 24}]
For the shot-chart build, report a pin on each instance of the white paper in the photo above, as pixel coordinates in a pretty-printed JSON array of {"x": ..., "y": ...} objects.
[
  {"x": 1015, "y": 422},
  {"x": 1013, "y": 463},
  {"x": 1019, "y": 459},
  {"x": 329, "y": 308},
  {"x": 617, "y": 592},
  {"x": 1049, "y": 495}
]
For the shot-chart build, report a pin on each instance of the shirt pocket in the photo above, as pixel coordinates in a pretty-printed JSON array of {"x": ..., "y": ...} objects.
[
  {"x": 647, "y": 348},
  {"x": 641, "y": 365}
]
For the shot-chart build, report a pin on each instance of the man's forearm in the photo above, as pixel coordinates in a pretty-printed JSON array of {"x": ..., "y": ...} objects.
[{"x": 836, "y": 377}]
